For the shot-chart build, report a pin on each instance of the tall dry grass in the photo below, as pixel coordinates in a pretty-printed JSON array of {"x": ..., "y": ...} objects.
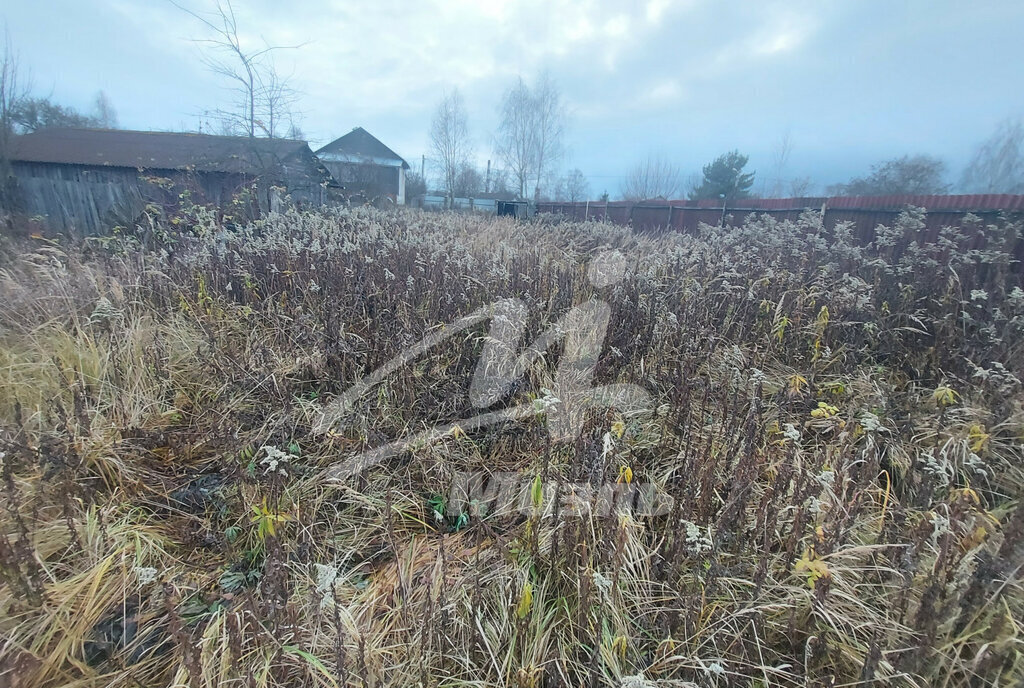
[{"x": 839, "y": 426}]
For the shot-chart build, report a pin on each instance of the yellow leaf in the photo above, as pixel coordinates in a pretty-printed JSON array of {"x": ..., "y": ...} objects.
[
  {"x": 975, "y": 538},
  {"x": 822, "y": 321},
  {"x": 815, "y": 568},
  {"x": 619, "y": 428},
  {"x": 780, "y": 328},
  {"x": 966, "y": 494},
  {"x": 525, "y": 601},
  {"x": 797, "y": 383},
  {"x": 978, "y": 438},
  {"x": 620, "y": 645},
  {"x": 824, "y": 410},
  {"x": 944, "y": 396}
]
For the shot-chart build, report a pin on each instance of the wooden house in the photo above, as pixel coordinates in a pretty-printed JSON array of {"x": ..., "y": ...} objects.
[{"x": 365, "y": 167}]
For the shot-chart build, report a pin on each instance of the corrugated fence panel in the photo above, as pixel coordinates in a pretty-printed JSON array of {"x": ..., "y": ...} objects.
[{"x": 864, "y": 213}]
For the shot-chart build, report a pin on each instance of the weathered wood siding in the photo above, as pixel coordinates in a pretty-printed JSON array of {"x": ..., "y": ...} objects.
[
  {"x": 77, "y": 199},
  {"x": 89, "y": 200},
  {"x": 365, "y": 179},
  {"x": 304, "y": 178}
]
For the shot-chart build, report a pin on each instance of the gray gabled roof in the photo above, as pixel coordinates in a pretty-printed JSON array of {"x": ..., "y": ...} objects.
[
  {"x": 154, "y": 150},
  {"x": 361, "y": 146}
]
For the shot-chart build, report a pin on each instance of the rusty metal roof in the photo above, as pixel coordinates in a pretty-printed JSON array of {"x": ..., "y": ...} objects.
[
  {"x": 154, "y": 150},
  {"x": 361, "y": 146}
]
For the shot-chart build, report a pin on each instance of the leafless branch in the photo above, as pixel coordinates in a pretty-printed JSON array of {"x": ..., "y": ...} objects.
[
  {"x": 530, "y": 135},
  {"x": 449, "y": 139},
  {"x": 654, "y": 177},
  {"x": 260, "y": 89}
]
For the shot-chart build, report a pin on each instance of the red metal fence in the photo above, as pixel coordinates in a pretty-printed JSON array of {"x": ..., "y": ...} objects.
[{"x": 864, "y": 212}]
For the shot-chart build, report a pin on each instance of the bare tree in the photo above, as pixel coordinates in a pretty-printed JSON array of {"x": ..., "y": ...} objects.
[
  {"x": 105, "y": 115},
  {"x": 449, "y": 139},
  {"x": 654, "y": 177},
  {"x": 800, "y": 187},
  {"x": 500, "y": 185},
  {"x": 469, "y": 183},
  {"x": 227, "y": 126},
  {"x": 517, "y": 135},
  {"x": 998, "y": 163},
  {"x": 12, "y": 94},
  {"x": 549, "y": 115},
  {"x": 275, "y": 101},
  {"x": 249, "y": 70},
  {"x": 774, "y": 186},
  {"x": 295, "y": 131},
  {"x": 530, "y": 134},
  {"x": 415, "y": 185},
  {"x": 573, "y": 187}
]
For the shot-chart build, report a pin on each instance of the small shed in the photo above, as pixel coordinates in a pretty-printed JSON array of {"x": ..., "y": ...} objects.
[
  {"x": 364, "y": 166},
  {"x": 519, "y": 209},
  {"x": 87, "y": 180}
]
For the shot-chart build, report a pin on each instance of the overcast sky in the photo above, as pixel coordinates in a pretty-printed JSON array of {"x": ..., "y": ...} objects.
[{"x": 850, "y": 82}]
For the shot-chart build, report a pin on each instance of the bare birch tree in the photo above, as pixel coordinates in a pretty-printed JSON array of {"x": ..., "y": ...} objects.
[
  {"x": 105, "y": 114},
  {"x": 654, "y": 177},
  {"x": 573, "y": 187},
  {"x": 774, "y": 186},
  {"x": 517, "y": 135},
  {"x": 998, "y": 163},
  {"x": 449, "y": 139},
  {"x": 549, "y": 115},
  {"x": 530, "y": 134}
]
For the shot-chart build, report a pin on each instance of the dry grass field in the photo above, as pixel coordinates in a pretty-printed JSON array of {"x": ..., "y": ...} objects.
[{"x": 838, "y": 429}]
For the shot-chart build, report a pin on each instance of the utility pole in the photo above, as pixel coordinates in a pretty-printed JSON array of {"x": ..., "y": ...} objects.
[
  {"x": 487, "y": 179},
  {"x": 423, "y": 164}
]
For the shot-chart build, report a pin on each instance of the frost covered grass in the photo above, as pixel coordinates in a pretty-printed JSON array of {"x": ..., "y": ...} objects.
[{"x": 840, "y": 428}]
